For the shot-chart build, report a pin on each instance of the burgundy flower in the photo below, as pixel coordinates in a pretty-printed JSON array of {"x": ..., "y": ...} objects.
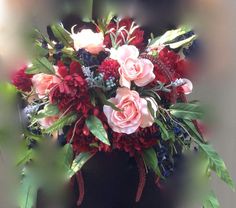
[
  {"x": 136, "y": 37},
  {"x": 83, "y": 139},
  {"x": 72, "y": 92},
  {"x": 109, "y": 68},
  {"x": 136, "y": 142},
  {"x": 21, "y": 80}
]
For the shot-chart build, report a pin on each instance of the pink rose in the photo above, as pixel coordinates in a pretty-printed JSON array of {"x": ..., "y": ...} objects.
[
  {"x": 47, "y": 121},
  {"x": 134, "y": 112},
  {"x": 124, "y": 52},
  {"x": 132, "y": 68},
  {"x": 138, "y": 70},
  {"x": 41, "y": 83},
  {"x": 87, "y": 39}
]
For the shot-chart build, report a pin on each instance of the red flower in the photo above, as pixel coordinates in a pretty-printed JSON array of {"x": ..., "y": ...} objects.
[
  {"x": 83, "y": 139},
  {"x": 109, "y": 68},
  {"x": 21, "y": 80},
  {"x": 134, "y": 143},
  {"x": 72, "y": 92},
  {"x": 136, "y": 38}
]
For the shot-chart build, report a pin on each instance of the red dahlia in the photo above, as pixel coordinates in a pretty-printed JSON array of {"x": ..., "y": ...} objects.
[
  {"x": 72, "y": 92},
  {"x": 109, "y": 68},
  {"x": 136, "y": 38},
  {"x": 21, "y": 80}
]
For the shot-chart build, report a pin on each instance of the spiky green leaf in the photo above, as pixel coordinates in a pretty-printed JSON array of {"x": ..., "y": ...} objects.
[
  {"x": 41, "y": 65},
  {"x": 60, "y": 123}
]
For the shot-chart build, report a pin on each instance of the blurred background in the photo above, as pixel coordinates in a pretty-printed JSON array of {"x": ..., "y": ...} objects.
[{"x": 213, "y": 20}]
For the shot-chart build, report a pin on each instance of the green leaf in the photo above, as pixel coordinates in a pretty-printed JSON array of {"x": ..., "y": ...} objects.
[
  {"x": 164, "y": 131},
  {"x": 68, "y": 155},
  {"x": 96, "y": 128},
  {"x": 25, "y": 157},
  {"x": 41, "y": 65},
  {"x": 182, "y": 42},
  {"x": 169, "y": 36},
  {"x": 104, "y": 101},
  {"x": 39, "y": 51},
  {"x": 189, "y": 111},
  {"x": 28, "y": 190},
  {"x": 60, "y": 123},
  {"x": 150, "y": 159},
  {"x": 150, "y": 108},
  {"x": 217, "y": 164},
  {"x": 62, "y": 34},
  {"x": 49, "y": 110},
  {"x": 211, "y": 201},
  {"x": 78, "y": 162},
  {"x": 192, "y": 130}
]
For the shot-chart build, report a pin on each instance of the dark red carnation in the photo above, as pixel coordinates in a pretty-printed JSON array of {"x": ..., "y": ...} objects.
[
  {"x": 21, "y": 80},
  {"x": 72, "y": 92},
  {"x": 109, "y": 68},
  {"x": 134, "y": 143},
  {"x": 136, "y": 38}
]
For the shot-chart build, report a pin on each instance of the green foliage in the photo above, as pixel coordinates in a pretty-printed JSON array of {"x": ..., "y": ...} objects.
[
  {"x": 104, "y": 101},
  {"x": 78, "y": 162},
  {"x": 62, "y": 34},
  {"x": 211, "y": 201},
  {"x": 60, "y": 123},
  {"x": 163, "y": 129},
  {"x": 216, "y": 164},
  {"x": 40, "y": 65},
  {"x": 49, "y": 110},
  {"x": 96, "y": 128},
  {"x": 192, "y": 130},
  {"x": 150, "y": 159},
  {"x": 28, "y": 190},
  {"x": 189, "y": 111},
  {"x": 68, "y": 155},
  {"x": 170, "y": 35}
]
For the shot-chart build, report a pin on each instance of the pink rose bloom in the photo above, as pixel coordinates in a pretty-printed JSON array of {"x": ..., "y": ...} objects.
[
  {"x": 87, "y": 39},
  {"x": 41, "y": 83},
  {"x": 138, "y": 70},
  {"x": 134, "y": 112},
  {"x": 132, "y": 68},
  {"x": 124, "y": 52},
  {"x": 47, "y": 121}
]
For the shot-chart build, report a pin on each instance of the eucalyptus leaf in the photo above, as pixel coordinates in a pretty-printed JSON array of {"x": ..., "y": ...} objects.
[
  {"x": 190, "y": 111},
  {"x": 96, "y": 128},
  {"x": 41, "y": 65}
]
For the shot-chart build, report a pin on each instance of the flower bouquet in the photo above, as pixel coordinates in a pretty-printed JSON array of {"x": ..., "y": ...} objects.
[{"x": 109, "y": 88}]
